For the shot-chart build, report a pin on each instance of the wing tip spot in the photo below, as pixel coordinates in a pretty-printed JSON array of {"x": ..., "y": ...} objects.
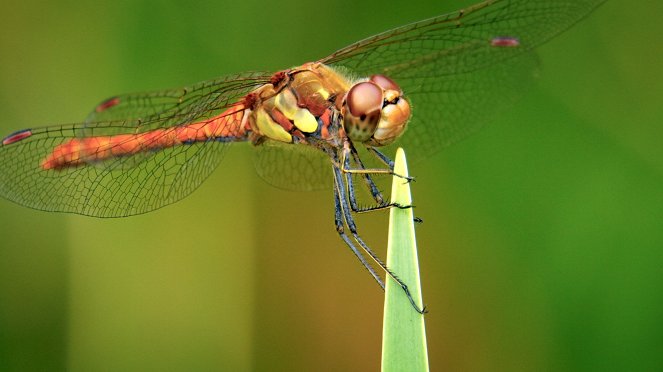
[
  {"x": 505, "y": 42},
  {"x": 105, "y": 105},
  {"x": 17, "y": 136}
]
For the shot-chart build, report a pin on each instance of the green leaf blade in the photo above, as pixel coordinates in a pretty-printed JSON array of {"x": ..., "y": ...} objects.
[{"x": 403, "y": 334}]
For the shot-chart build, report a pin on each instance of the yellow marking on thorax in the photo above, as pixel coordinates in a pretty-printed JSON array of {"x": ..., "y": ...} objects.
[
  {"x": 286, "y": 102},
  {"x": 269, "y": 128},
  {"x": 305, "y": 121}
]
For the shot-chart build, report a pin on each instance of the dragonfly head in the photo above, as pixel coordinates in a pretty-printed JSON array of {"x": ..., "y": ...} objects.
[{"x": 375, "y": 112}]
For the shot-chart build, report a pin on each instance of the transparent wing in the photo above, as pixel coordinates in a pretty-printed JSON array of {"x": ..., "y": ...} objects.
[
  {"x": 458, "y": 70},
  {"x": 448, "y": 110},
  {"x": 293, "y": 167},
  {"x": 143, "y": 112},
  {"x": 461, "y": 68},
  {"x": 123, "y": 185}
]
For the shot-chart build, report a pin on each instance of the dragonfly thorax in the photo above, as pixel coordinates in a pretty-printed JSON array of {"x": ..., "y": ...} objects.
[
  {"x": 375, "y": 112},
  {"x": 300, "y": 103}
]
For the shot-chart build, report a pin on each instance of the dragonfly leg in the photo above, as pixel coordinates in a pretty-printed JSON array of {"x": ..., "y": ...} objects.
[
  {"x": 347, "y": 149},
  {"x": 344, "y": 210},
  {"x": 383, "y": 158},
  {"x": 340, "y": 229},
  {"x": 390, "y": 163},
  {"x": 375, "y": 192},
  {"x": 354, "y": 206}
]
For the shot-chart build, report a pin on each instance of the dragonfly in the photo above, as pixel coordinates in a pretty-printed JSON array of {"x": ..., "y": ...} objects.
[{"x": 422, "y": 86}]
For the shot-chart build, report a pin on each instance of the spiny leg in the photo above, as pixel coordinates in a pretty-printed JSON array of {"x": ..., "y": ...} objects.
[
  {"x": 375, "y": 191},
  {"x": 340, "y": 229},
  {"x": 383, "y": 158},
  {"x": 342, "y": 198},
  {"x": 349, "y": 182},
  {"x": 347, "y": 149},
  {"x": 390, "y": 163}
]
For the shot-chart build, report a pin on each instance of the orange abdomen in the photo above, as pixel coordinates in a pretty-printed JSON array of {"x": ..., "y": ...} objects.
[{"x": 80, "y": 151}]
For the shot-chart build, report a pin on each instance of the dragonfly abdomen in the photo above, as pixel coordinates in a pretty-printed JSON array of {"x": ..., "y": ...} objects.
[{"x": 225, "y": 127}]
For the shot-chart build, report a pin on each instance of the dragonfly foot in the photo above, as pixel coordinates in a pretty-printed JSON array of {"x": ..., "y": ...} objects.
[
  {"x": 408, "y": 179},
  {"x": 401, "y": 206},
  {"x": 421, "y": 310}
]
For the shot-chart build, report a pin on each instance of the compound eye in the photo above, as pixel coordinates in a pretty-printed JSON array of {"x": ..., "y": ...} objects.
[
  {"x": 364, "y": 98},
  {"x": 362, "y": 111},
  {"x": 385, "y": 83}
]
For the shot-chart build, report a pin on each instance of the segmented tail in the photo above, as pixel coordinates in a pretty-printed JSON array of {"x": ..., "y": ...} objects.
[{"x": 79, "y": 151}]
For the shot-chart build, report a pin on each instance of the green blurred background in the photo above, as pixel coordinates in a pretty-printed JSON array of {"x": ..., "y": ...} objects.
[{"x": 542, "y": 246}]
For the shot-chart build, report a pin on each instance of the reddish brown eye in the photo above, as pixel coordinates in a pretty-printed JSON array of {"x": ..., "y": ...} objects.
[
  {"x": 362, "y": 110},
  {"x": 385, "y": 83},
  {"x": 364, "y": 98}
]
